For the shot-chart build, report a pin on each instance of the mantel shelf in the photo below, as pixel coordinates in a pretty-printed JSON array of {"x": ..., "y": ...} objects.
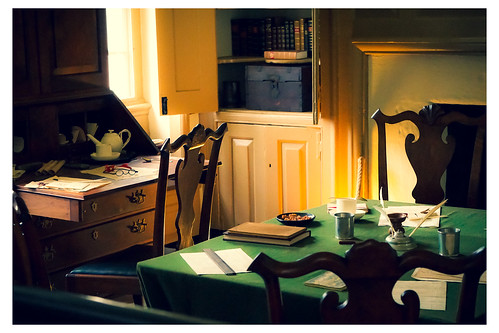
[{"x": 461, "y": 45}]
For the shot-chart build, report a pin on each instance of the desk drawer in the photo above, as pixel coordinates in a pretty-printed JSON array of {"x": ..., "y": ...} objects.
[
  {"x": 96, "y": 241},
  {"x": 118, "y": 203}
]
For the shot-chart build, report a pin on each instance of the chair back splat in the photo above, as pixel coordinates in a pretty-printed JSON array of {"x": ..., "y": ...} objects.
[
  {"x": 462, "y": 154},
  {"x": 370, "y": 270},
  {"x": 188, "y": 174}
]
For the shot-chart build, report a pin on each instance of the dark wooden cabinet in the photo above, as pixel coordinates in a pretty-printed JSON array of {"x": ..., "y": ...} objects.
[
  {"x": 61, "y": 80},
  {"x": 58, "y": 52}
]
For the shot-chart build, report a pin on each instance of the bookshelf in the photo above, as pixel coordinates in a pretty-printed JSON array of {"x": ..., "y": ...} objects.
[{"x": 235, "y": 52}]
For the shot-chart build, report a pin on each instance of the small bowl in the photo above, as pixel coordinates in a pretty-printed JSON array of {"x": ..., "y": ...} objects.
[{"x": 303, "y": 219}]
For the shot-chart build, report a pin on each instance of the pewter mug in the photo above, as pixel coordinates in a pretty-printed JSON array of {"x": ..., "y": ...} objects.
[
  {"x": 448, "y": 241},
  {"x": 344, "y": 225}
]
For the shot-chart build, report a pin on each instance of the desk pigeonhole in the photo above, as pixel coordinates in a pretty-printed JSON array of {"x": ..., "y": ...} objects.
[{"x": 279, "y": 88}]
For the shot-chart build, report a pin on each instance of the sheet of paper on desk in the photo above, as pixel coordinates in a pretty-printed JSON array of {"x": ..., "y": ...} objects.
[
  {"x": 432, "y": 294},
  {"x": 421, "y": 273},
  {"x": 68, "y": 184},
  {"x": 414, "y": 216},
  {"x": 200, "y": 263}
]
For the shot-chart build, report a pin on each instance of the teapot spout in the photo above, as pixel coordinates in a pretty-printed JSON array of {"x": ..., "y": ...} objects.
[{"x": 94, "y": 140}]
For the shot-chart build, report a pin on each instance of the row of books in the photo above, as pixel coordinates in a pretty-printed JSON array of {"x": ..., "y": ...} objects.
[
  {"x": 266, "y": 233},
  {"x": 252, "y": 37}
]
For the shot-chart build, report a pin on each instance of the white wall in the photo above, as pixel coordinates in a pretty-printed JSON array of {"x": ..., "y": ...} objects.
[{"x": 409, "y": 82}]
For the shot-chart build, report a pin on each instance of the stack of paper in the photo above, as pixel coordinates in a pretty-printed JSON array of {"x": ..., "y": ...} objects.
[
  {"x": 68, "y": 184},
  {"x": 267, "y": 233}
]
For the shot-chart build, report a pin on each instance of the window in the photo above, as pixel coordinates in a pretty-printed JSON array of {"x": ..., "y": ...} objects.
[{"x": 120, "y": 52}]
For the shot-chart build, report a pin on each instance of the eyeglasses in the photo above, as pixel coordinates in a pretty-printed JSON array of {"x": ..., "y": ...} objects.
[{"x": 120, "y": 170}]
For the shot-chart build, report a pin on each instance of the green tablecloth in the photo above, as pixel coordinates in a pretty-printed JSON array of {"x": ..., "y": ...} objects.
[{"x": 169, "y": 283}]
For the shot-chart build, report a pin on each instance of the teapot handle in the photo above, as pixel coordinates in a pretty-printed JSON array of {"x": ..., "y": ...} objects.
[{"x": 127, "y": 140}]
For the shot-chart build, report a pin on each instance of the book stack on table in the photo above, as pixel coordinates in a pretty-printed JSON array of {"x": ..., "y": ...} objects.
[{"x": 266, "y": 233}]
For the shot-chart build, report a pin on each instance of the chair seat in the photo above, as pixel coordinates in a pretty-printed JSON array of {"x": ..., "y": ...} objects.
[{"x": 123, "y": 263}]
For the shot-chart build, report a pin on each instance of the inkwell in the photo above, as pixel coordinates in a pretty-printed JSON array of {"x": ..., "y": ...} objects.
[{"x": 397, "y": 238}]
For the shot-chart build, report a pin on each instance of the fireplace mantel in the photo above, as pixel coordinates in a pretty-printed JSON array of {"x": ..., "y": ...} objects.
[{"x": 455, "y": 46}]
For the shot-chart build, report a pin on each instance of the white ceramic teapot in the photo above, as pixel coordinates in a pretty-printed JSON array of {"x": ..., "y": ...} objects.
[{"x": 115, "y": 140}]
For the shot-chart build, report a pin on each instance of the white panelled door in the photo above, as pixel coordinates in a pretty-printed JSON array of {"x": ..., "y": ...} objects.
[{"x": 268, "y": 170}]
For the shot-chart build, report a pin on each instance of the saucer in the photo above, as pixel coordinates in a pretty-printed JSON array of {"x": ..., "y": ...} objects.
[
  {"x": 357, "y": 216},
  {"x": 113, "y": 157}
]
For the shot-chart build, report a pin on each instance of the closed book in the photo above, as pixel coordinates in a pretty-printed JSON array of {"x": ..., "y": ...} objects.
[
  {"x": 296, "y": 25},
  {"x": 266, "y": 230},
  {"x": 302, "y": 34},
  {"x": 268, "y": 33},
  {"x": 266, "y": 240},
  {"x": 286, "y": 55},
  {"x": 310, "y": 37}
]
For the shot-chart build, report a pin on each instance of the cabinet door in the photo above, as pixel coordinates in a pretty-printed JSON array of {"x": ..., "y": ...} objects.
[
  {"x": 72, "y": 49},
  {"x": 25, "y": 55},
  {"x": 268, "y": 170},
  {"x": 187, "y": 61}
]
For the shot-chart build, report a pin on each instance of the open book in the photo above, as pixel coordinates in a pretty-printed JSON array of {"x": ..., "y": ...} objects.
[{"x": 201, "y": 263}]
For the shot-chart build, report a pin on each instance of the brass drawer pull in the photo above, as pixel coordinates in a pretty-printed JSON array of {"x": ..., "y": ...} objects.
[
  {"x": 138, "y": 226},
  {"x": 45, "y": 223},
  {"x": 48, "y": 253},
  {"x": 137, "y": 197}
]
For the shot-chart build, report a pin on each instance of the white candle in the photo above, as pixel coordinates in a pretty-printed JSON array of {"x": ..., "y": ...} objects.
[{"x": 348, "y": 205}]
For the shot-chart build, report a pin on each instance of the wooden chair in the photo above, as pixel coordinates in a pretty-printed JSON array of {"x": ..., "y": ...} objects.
[
  {"x": 463, "y": 156},
  {"x": 36, "y": 306},
  {"x": 370, "y": 270},
  {"x": 28, "y": 266},
  {"x": 116, "y": 274}
]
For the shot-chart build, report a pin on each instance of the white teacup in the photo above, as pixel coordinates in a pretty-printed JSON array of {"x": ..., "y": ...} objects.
[{"x": 103, "y": 150}]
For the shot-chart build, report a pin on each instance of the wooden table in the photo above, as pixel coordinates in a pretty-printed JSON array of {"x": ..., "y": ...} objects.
[
  {"x": 169, "y": 283},
  {"x": 75, "y": 227}
]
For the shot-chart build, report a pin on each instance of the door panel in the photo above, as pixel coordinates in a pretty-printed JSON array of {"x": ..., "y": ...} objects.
[
  {"x": 292, "y": 176},
  {"x": 243, "y": 175},
  {"x": 187, "y": 60},
  {"x": 268, "y": 170}
]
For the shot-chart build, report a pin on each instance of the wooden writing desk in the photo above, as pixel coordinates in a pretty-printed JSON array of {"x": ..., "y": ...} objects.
[{"x": 75, "y": 227}]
